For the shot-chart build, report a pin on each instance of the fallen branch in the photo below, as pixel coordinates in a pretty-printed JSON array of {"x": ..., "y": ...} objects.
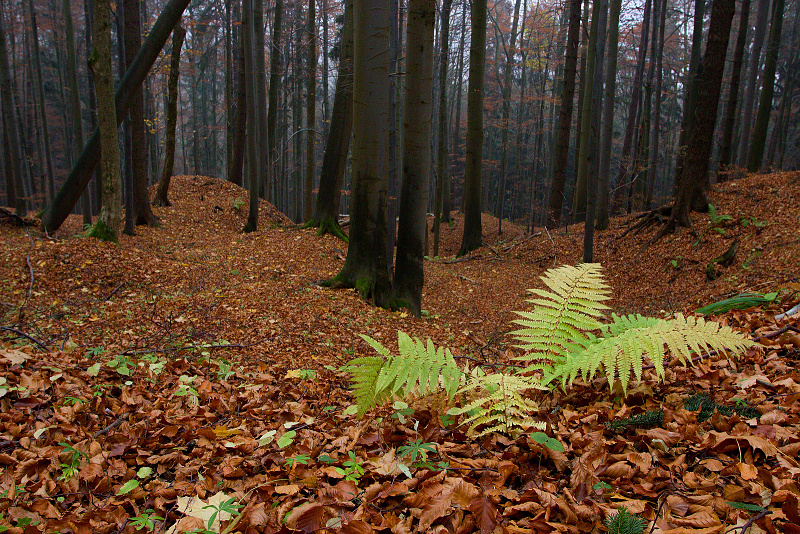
[
  {"x": 26, "y": 336},
  {"x": 464, "y": 258}
]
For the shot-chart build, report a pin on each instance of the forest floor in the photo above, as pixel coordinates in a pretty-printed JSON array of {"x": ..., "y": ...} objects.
[{"x": 191, "y": 369}]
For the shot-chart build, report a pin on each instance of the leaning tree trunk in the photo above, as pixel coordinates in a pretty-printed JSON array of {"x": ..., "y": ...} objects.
[
  {"x": 417, "y": 114},
  {"x": 473, "y": 237},
  {"x": 334, "y": 161},
  {"x": 107, "y": 226},
  {"x": 365, "y": 265},
  {"x": 66, "y": 198},
  {"x": 695, "y": 169},
  {"x": 162, "y": 190},
  {"x": 10, "y": 126},
  {"x": 559, "y": 167}
]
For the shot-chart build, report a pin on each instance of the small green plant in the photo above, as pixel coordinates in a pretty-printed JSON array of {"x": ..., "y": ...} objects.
[
  {"x": 416, "y": 449},
  {"x": 750, "y": 221},
  {"x": 551, "y": 443},
  {"x": 741, "y": 301},
  {"x": 185, "y": 389},
  {"x": 237, "y": 204},
  {"x": 133, "y": 483},
  {"x": 228, "y": 506},
  {"x": 292, "y": 462},
  {"x": 123, "y": 364},
  {"x": 224, "y": 371},
  {"x": 70, "y": 469},
  {"x": 647, "y": 419},
  {"x": 674, "y": 263},
  {"x": 623, "y": 522},
  {"x": 95, "y": 352},
  {"x": 145, "y": 520},
  {"x": 717, "y": 219},
  {"x": 351, "y": 469}
]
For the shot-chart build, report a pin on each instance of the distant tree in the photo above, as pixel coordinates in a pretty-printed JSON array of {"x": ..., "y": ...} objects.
[
  {"x": 253, "y": 160},
  {"x": 107, "y": 226},
  {"x": 41, "y": 104},
  {"x": 473, "y": 236},
  {"x": 417, "y": 113},
  {"x": 162, "y": 190},
  {"x": 756, "y": 156},
  {"x": 690, "y": 191},
  {"x": 66, "y": 198},
  {"x": 334, "y": 160},
  {"x": 275, "y": 66},
  {"x": 365, "y": 267},
  {"x": 442, "y": 165},
  {"x": 240, "y": 119},
  {"x": 14, "y": 151},
  {"x": 561, "y": 151},
  {"x": 311, "y": 112}
]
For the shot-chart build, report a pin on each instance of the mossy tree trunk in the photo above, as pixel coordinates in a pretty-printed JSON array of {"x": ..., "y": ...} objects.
[
  {"x": 162, "y": 191},
  {"x": 365, "y": 267},
  {"x": 417, "y": 114},
  {"x": 107, "y": 225}
]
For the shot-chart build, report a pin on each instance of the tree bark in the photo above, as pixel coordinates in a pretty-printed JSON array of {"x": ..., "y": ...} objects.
[
  {"x": 240, "y": 121},
  {"x": 334, "y": 161},
  {"x": 756, "y": 156},
  {"x": 726, "y": 143},
  {"x": 311, "y": 113},
  {"x": 559, "y": 175},
  {"x": 81, "y": 173},
  {"x": 442, "y": 163},
  {"x": 10, "y": 127},
  {"x": 695, "y": 170},
  {"x": 107, "y": 226},
  {"x": 42, "y": 106},
  {"x": 162, "y": 190},
  {"x": 365, "y": 266},
  {"x": 417, "y": 116},
  {"x": 253, "y": 159}
]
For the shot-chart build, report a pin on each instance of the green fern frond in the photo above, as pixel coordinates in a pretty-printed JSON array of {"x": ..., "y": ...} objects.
[
  {"x": 561, "y": 317},
  {"x": 628, "y": 339},
  {"x": 419, "y": 369},
  {"x": 500, "y": 403}
]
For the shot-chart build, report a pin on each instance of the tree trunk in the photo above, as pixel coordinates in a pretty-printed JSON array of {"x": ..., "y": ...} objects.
[
  {"x": 253, "y": 160},
  {"x": 559, "y": 177},
  {"x": 162, "y": 190},
  {"x": 695, "y": 169},
  {"x": 607, "y": 130},
  {"x": 655, "y": 123},
  {"x": 756, "y": 156},
  {"x": 81, "y": 173},
  {"x": 752, "y": 82},
  {"x": 365, "y": 265},
  {"x": 442, "y": 164},
  {"x": 473, "y": 235},
  {"x": 311, "y": 112},
  {"x": 275, "y": 66},
  {"x": 509, "y": 51},
  {"x": 42, "y": 107},
  {"x": 733, "y": 94},
  {"x": 140, "y": 198},
  {"x": 76, "y": 143},
  {"x": 107, "y": 226},
  {"x": 240, "y": 121},
  {"x": 417, "y": 116},
  {"x": 334, "y": 161},
  {"x": 10, "y": 127},
  {"x": 457, "y": 125}
]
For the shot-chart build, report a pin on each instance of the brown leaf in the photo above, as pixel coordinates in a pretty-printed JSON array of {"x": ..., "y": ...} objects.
[
  {"x": 485, "y": 513},
  {"x": 308, "y": 517}
]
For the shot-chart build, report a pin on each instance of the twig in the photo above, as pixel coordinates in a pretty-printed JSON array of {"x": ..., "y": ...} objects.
[
  {"x": 749, "y": 522},
  {"x": 194, "y": 347},
  {"x": 468, "y": 279},
  {"x": 112, "y": 426},
  {"x": 513, "y": 245},
  {"x": 485, "y": 244},
  {"x": 114, "y": 291},
  {"x": 26, "y": 336},
  {"x": 464, "y": 258}
]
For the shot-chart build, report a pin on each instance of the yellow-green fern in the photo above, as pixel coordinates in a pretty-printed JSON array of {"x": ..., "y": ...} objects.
[{"x": 419, "y": 369}]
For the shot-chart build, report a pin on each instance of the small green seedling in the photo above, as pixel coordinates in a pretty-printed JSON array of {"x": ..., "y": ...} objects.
[
  {"x": 352, "y": 469},
  {"x": 551, "y": 443},
  {"x": 146, "y": 520},
  {"x": 623, "y": 522}
]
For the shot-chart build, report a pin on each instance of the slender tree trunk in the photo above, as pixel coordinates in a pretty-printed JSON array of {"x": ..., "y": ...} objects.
[
  {"x": 733, "y": 94},
  {"x": 561, "y": 153},
  {"x": 275, "y": 67},
  {"x": 417, "y": 115},
  {"x": 442, "y": 164},
  {"x": 509, "y": 51},
  {"x": 240, "y": 121},
  {"x": 311, "y": 112},
  {"x": 334, "y": 161},
  {"x": 457, "y": 125},
  {"x": 95, "y": 193},
  {"x": 162, "y": 190},
  {"x": 655, "y": 122},
  {"x": 607, "y": 130},
  {"x": 756, "y": 156},
  {"x": 753, "y": 67},
  {"x": 42, "y": 105},
  {"x": 81, "y": 173},
  {"x": 248, "y": 41},
  {"x": 395, "y": 155},
  {"x": 76, "y": 143},
  {"x": 10, "y": 126},
  {"x": 473, "y": 235},
  {"x": 107, "y": 225}
]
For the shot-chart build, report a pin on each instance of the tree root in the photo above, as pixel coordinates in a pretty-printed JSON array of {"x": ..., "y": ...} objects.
[{"x": 649, "y": 218}]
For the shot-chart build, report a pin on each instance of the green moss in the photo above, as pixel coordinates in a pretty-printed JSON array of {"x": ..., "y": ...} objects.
[
  {"x": 101, "y": 231},
  {"x": 336, "y": 282},
  {"x": 364, "y": 287},
  {"x": 327, "y": 226}
]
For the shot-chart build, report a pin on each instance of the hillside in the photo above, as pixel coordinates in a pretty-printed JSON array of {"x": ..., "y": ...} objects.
[{"x": 212, "y": 337}]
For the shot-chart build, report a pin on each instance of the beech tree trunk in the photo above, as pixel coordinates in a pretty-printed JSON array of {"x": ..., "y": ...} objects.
[
  {"x": 240, "y": 121},
  {"x": 417, "y": 116},
  {"x": 559, "y": 173},
  {"x": 81, "y": 173},
  {"x": 473, "y": 235},
  {"x": 726, "y": 143},
  {"x": 162, "y": 190},
  {"x": 442, "y": 164},
  {"x": 311, "y": 113},
  {"x": 42, "y": 105},
  {"x": 10, "y": 127},
  {"x": 334, "y": 161}
]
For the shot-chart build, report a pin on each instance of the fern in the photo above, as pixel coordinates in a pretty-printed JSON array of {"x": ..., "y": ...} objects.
[
  {"x": 561, "y": 317},
  {"x": 500, "y": 404},
  {"x": 557, "y": 332},
  {"x": 418, "y": 370}
]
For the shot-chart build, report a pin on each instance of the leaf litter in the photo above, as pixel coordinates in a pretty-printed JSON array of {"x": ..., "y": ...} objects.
[{"x": 212, "y": 358}]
